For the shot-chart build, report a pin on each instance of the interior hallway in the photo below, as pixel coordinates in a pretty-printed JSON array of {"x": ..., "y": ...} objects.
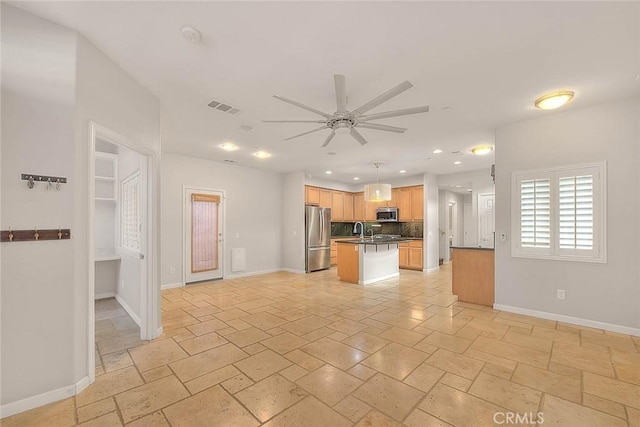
[{"x": 286, "y": 349}]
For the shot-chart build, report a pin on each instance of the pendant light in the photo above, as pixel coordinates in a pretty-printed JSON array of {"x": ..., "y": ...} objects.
[{"x": 377, "y": 192}]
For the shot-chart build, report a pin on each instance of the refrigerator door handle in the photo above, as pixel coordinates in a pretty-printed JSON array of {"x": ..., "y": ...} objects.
[
  {"x": 321, "y": 224},
  {"x": 320, "y": 248}
]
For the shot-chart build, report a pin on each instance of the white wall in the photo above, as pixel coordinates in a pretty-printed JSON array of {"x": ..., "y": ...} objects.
[
  {"x": 253, "y": 209},
  {"x": 293, "y": 222},
  {"x": 610, "y": 292},
  {"x": 53, "y": 83},
  {"x": 431, "y": 235},
  {"x": 38, "y": 292},
  {"x": 481, "y": 183}
]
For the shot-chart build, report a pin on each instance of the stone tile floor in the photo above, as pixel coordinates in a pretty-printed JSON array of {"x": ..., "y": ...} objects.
[{"x": 290, "y": 350}]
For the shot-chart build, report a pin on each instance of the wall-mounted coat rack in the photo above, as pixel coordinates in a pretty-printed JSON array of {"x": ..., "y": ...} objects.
[
  {"x": 50, "y": 180},
  {"x": 35, "y": 234}
]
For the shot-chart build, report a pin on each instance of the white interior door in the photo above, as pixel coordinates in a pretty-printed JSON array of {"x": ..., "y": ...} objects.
[
  {"x": 486, "y": 220},
  {"x": 203, "y": 221},
  {"x": 468, "y": 217}
]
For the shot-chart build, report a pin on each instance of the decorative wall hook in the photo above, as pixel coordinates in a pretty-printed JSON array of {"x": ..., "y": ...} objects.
[
  {"x": 10, "y": 235},
  {"x": 36, "y": 235},
  {"x": 32, "y": 179}
]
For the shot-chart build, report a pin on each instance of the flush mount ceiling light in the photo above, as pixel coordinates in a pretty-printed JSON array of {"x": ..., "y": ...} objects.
[
  {"x": 262, "y": 154},
  {"x": 228, "y": 146},
  {"x": 554, "y": 100},
  {"x": 481, "y": 150},
  {"x": 191, "y": 34},
  {"x": 328, "y": 172},
  {"x": 457, "y": 162},
  {"x": 356, "y": 178},
  {"x": 403, "y": 171},
  {"x": 437, "y": 151},
  {"x": 377, "y": 192}
]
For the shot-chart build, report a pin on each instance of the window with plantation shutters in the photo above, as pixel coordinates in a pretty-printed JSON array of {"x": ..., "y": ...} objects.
[
  {"x": 130, "y": 213},
  {"x": 560, "y": 213}
]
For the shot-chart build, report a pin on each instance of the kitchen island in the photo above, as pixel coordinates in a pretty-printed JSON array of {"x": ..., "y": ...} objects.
[
  {"x": 366, "y": 260},
  {"x": 473, "y": 275}
]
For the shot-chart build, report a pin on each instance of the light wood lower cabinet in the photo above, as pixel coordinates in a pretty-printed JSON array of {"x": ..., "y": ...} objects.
[
  {"x": 473, "y": 275},
  {"x": 411, "y": 255},
  {"x": 334, "y": 252}
]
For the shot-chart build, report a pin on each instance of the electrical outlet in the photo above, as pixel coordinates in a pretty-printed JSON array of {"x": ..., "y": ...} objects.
[
  {"x": 503, "y": 237},
  {"x": 560, "y": 294},
  {"x": 172, "y": 270}
]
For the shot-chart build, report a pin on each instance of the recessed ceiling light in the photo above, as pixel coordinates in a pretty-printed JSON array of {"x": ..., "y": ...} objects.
[
  {"x": 481, "y": 150},
  {"x": 554, "y": 100},
  {"x": 328, "y": 172},
  {"x": 437, "y": 151},
  {"x": 403, "y": 171},
  {"x": 191, "y": 34},
  {"x": 228, "y": 146},
  {"x": 262, "y": 154},
  {"x": 457, "y": 162},
  {"x": 246, "y": 128},
  {"x": 469, "y": 190},
  {"x": 458, "y": 186},
  {"x": 355, "y": 178}
]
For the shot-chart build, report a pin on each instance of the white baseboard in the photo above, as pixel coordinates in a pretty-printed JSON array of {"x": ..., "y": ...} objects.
[
  {"x": 378, "y": 279},
  {"x": 568, "y": 319},
  {"x": 251, "y": 273},
  {"x": 13, "y": 408},
  {"x": 159, "y": 332},
  {"x": 129, "y": 310},
  {"x": 432, "y": 269},
  {"x": 104, "y": 295},
  {"x": 172, "y": 285}
]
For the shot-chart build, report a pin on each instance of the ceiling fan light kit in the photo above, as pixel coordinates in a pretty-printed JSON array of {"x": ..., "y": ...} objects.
[{"x": 344, "y": 122}]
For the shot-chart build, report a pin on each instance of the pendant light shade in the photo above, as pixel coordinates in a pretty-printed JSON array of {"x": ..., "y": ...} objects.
[{"x": 377, "y": 192}]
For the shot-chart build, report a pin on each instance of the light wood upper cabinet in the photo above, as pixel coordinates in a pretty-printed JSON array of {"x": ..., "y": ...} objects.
[
  {"x": 358, "y": 207},
  {"x": 417, "y": 203},
  {"x": 393, "y": 203},
  {"x": 370, "y": 209},
  {"x": 337, "y": 206},
  {"x": 348, "y": 206},
  {"x": 325, "y": 198},
  {"x": 311, "y": 195},
  {"x": 404, "y": 204}
]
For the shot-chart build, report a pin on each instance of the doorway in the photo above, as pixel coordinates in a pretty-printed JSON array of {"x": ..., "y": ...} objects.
[
  {"x": 203, "y": 214},
  {"x": 468, "y": 217},
  {"x": 120, "y": 241},
  {"x": 452, "y": 230},
  {"x": 486, "y": 220}
]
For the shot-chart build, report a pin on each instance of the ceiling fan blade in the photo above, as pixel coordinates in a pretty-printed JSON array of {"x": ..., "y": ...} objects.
[
  {"x": 382, "y": 127},
  {"x": 329, "y": 138},
  {"x": 306, "y": 133},
  {"x": 395, "y": 113},
  {"x": 294, "y": 121},
  {"x": 383, "y": 98},
  {"x": 358, "y": 137},
  {"x": 304, "y": 107},
  {"x": 341, "y": 92}
]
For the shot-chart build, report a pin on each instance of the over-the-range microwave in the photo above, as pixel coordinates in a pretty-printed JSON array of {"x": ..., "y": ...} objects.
[{"x": 387, "y": 214}]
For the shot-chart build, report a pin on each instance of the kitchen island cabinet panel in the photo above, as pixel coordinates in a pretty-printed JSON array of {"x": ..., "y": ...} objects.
[{"x": 473, "y": 275}]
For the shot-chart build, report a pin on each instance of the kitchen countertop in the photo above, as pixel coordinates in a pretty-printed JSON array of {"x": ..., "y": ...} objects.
[
  {"x": 381, "y": 241},
  {"x": 355, "y": 238},
  {"x": 471, "y": 247}
]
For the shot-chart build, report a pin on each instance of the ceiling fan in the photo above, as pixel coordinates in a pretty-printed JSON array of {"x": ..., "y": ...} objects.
[{"x": 344, "y": 121}]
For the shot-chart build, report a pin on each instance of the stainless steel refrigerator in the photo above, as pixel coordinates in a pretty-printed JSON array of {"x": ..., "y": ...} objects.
[{"x": 318, "y": 238}]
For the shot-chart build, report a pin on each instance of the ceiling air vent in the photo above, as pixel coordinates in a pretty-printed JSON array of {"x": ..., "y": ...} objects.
[
  {"x": 457, "y": 153},
  {"x": 222, "y": 107}
]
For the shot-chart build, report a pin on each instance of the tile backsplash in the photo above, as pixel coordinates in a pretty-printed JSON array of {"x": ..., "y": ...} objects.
[{"x": 405, "y": 229}]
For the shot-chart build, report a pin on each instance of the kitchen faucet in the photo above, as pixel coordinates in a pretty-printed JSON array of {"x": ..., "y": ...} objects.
[{"x": 355, "y": 229}]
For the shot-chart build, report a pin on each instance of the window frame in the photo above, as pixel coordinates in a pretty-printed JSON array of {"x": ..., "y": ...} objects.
[
  {"x": 128, "y": 249},
  {"x": 599, "y": 252}
]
